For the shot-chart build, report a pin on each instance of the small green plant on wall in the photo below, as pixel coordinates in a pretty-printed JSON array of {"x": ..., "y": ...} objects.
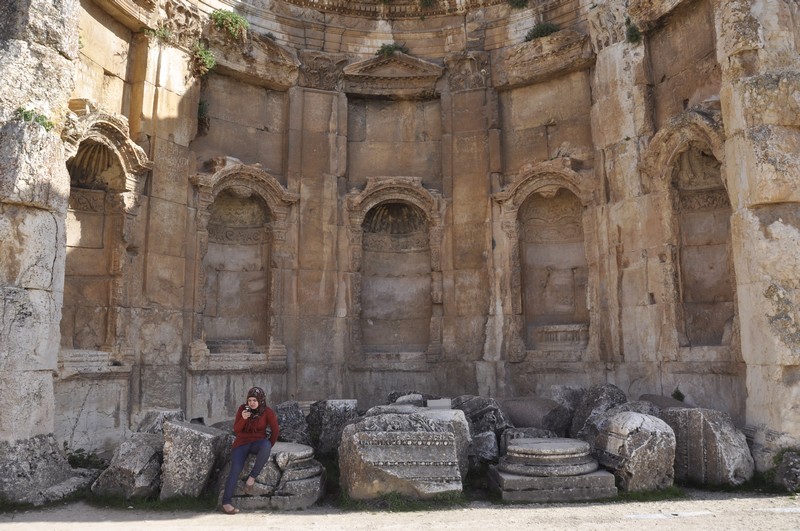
[
  {"x": 31, "y": 116},
  {"x": 160, "y": 34},
  {"x": 518, "y": 4},
  {"x": 388, "y": 49},
  {"x": 632, "y": 33},
  {"x": 542, "y": 29},
  {"x": 236, "y": 25},
  {"x": 203, "y": 60}
]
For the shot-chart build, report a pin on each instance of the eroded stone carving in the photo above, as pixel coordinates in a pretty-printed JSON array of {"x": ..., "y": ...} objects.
[
  {"x": 468, "y": 71},
  {"x": 321, "y": 71},
  {"x": 606, "y": 24}
]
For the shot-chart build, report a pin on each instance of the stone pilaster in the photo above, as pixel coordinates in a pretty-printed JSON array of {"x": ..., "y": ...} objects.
[
  {"x": 38, "y": 44},
  {"x": 758, "y": 52}
]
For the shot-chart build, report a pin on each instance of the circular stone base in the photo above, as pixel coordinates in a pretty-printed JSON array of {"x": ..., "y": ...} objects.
[
  {"x": 548, "y": 470},
  {"x": 546, "y": 449}
]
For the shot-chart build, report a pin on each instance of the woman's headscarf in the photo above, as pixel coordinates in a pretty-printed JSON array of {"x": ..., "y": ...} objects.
[{"x": 258, "y": 394}]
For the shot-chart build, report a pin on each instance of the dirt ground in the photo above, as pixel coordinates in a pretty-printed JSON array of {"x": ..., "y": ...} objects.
[{"x": 700, "y": 510}]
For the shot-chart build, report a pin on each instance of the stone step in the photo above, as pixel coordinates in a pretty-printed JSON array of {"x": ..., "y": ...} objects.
[{"x": 593, "y": 486}]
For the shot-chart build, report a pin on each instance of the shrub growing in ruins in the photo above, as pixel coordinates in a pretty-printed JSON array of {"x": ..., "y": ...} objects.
[
  {"x": 542, "y": 29},
  {"x": 161, "y": 34},
  {"x": 236, "y": 25},
  {"x": 632, "y": 33},
  {"x": 28, "y": 115},
  {"x": 518, "y": 4},
  {"x": 203, "y": 60},
  {"x": 388, "y": 49}
]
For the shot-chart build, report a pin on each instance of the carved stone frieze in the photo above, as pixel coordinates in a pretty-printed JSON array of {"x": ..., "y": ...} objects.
[
  {"x": 394, "y": 9},
  {"x": 183, "y": 22},
  {"x": 135, "y": 14},
  {"x": 396, "y": 76},
  {"x": 468, "y": 71},
  {"x": 87, "y": 200},
  {"x": 322, "y": 71},
  {"x": 704, "y": 200},
  {"x": 540, "y": 59}
]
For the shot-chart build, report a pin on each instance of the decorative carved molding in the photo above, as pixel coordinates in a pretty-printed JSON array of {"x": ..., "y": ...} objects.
[
  {"x": 540, "y": 59},
  {"x": 134, "y": 14},
  {"x": 700, "y": 126},
  {"x": 606, "y": 23},
  {"x": 397, "y": 76},
  {"x": 322, "y": 71},
  {"x": 184, "y": 23},
  {"x": 394, "y": 9},
  {"x": 646, "y": 13},
  {"x": 468, "y": 71},
  {"x": 242, "y": 180},
  {"x": 408, "y": 190}
]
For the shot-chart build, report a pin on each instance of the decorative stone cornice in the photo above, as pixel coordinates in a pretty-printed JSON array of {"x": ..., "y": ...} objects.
[
  {"x": 645, "y": 14},
  {"x": 134, "y": 14},
  {"x": 397, "y": 76},
  {"x": 257, "y": 60},
  {"x": 320, "y": 70},
  {"x": 394, "y": 9},
  {"x": 540, "y": 59}
]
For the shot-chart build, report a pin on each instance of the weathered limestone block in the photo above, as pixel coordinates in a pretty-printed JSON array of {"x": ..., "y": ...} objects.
[
  {"x": 292, "y": 422},
  {"x": 592, "y": 426},
  {"x": 787, "y": 474},
  {"x": 414, "y": 399},
  {"x": 191, "y": 452},
  {"x": 292, "y": 479},
  {"x": 522, "y": 433},
  {"x": 567, "y": 395},
  {"x": 596, "y": 400},
  {"x": 406, "y": 454},
  {"x": 535, "y": 412},
  {"x": 514, "y": 488},
  {"x": 662, "y": 402},
  {"x": 326, "y": 422},
  {"x": 485, "y": 448},
  {"x": 709, "y": 449},
  {"x": 49, "y": 23},
  {"x": 135, "y": 469},
  {"x": 153, "y": 421},
  {"x": 483, "y": 414},
  {"x": 36, "y": 471},
  {"x": 639, "y": 449}
]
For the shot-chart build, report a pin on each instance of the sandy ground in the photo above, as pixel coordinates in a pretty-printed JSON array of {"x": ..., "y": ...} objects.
[{"x": 701, "y": 510}]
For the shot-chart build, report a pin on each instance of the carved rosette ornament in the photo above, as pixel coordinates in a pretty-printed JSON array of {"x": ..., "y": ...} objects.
[
  {"x": 544, "y": 178},
  {"x": 86, "y": 122},
  {"x": 243, "y": 179},
  {"x": 408, "y": 190}
]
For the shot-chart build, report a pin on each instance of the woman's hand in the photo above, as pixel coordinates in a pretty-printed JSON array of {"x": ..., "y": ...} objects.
[{"x": 246, "y": 414}]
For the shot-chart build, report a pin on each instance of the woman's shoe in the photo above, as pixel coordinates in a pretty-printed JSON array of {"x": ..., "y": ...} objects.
[
  {"x": 232, "y": 510},
  {"x": 248, "y": 487}
]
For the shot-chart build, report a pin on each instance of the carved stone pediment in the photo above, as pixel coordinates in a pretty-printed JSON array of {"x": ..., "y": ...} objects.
[
  {"x": 540, "y": 59},
  {"x": 134, "y": 14},
  {"x": 257, "y": 59},
  {"x": 394, "y": 76}
]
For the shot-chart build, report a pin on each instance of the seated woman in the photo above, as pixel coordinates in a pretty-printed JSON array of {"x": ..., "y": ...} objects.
[{"x": 250, "y": 428}]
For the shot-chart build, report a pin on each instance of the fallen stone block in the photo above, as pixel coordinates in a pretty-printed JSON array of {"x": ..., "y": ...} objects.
[
  {"x": 326, "y": 420},
  {"x": 293, "y": 424},
  {"x": 535, "y": 412},
  {"x": 135, "y": 468},
  {"x": 592, "y": 425},
  {"x": 787, "y": 473},
  {"x": 596, "y": 400},
  {"x": 153, "y": 420},
  {"x": 191, "y": 455},
  {"x": 596, "y": 485},
  {"x": 483, "y": 414}
]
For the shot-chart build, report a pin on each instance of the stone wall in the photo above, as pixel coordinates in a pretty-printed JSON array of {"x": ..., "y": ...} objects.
[{"x": 614, "y": 202}]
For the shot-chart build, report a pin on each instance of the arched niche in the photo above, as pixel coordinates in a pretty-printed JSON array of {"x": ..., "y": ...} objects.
[
  {"x": 543, "y": 217},
  {"x": 685, "y": 162},
  {"x": 395, "y": 273},
  {"x": 108, "y": 173},
  {"x": 242, "y": 220}
]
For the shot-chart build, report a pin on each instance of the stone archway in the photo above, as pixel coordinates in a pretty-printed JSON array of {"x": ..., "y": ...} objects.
[
  {"x": 542, "y": 216},
  {"x": 395, "y": 217},
  {"x": 242, "y": 211},
  {"x": 686, "y": 162}
]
